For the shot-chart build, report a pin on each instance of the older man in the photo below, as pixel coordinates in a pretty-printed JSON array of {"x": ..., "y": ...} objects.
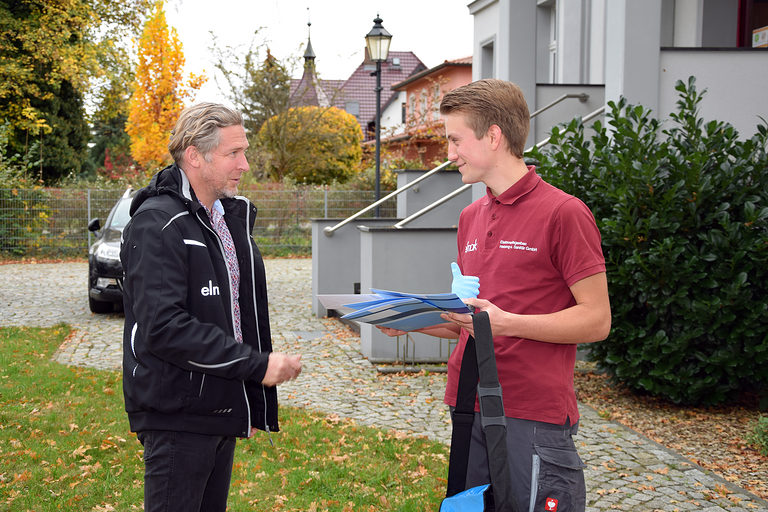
[{"x": 198, "y": 366}]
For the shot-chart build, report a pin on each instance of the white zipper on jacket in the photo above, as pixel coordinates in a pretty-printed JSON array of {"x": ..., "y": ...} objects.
[
  {"x": 255, "y": 306},
  {"x": 232, "y": 310}
]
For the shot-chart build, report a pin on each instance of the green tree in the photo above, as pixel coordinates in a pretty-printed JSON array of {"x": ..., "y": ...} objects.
[
  {"x": 52, "y": 52},
  {"x": 312, "y": 145}
]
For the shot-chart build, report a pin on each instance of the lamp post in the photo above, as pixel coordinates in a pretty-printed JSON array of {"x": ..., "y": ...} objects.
[{"x": 377, "y": 41}]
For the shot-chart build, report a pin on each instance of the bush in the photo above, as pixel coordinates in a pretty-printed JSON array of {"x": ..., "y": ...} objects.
[
  {"x": 759, "y": 435},
  {"x": 683, "y": 214}
]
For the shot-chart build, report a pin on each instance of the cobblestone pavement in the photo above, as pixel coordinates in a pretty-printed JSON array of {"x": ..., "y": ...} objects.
[{"x": 625, "y": 471}]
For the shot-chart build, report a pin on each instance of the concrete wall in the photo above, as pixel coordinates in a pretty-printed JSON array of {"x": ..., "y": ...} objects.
[
  {"x": 428, "y": 191},
  {"x": 732, "y": 78},
  {"x": 567, "y": 109},
  {"x": 336, "y": 259},
  {"x": 407, "y": 260}
]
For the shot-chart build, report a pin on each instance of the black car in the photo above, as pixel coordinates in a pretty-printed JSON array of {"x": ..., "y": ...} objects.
[{"x": 105, "y": 273}]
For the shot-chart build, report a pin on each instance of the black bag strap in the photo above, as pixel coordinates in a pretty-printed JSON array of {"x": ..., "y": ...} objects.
[
  {"x": 479, "y": 375},
  {"x": 463, "y": 416}
]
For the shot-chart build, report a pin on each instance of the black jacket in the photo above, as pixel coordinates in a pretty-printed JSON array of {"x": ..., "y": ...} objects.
[{"x": 182, "y": 368}]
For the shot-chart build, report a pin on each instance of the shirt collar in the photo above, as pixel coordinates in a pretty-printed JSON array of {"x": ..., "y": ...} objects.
[
  {"x": 523, "y": 186},
  {"x": 185, "y": 188}
]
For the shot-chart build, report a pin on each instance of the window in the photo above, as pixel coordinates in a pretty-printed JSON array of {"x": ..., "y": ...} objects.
[
  {"x": 553, "y": 44},
  {"x": 352, "y": 107},
  {"x": 487, "y": 61}
]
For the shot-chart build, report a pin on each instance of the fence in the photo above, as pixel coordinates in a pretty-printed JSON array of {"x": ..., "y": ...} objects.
[{"x": 49, "y": 222}]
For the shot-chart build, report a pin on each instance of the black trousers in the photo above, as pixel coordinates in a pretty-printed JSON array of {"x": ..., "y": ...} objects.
[{"x": 186, "y": 471}]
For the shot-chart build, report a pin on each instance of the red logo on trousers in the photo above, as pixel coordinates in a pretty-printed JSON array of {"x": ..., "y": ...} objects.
[{"x": 550, "y": 505}]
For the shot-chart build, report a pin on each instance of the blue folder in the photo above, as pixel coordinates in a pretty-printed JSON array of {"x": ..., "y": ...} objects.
[{"x": 405, "y": 311}]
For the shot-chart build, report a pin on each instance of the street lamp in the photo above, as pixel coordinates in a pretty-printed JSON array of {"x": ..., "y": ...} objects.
[{"x": 377, "y": 41}]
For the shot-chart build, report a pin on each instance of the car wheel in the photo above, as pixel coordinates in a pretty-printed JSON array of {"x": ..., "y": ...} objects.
[{"x": 98, "y": 306}]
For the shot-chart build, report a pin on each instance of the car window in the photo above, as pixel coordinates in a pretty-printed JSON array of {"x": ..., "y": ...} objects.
[{"x": 121, "y": 214}]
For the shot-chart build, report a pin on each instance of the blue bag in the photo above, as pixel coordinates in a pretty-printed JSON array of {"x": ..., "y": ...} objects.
[{"x": 471, "y": 500}]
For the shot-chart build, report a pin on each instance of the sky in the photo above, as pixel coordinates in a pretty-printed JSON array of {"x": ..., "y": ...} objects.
[{"x": 434, "y": 30}]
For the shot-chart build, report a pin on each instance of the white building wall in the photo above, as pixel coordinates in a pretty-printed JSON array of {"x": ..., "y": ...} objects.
[
  {"x": 486, "y": 28},
  {"x": 687, "y": 26},
  {"x": 731, "y": 78},
  {"x": 596, "y": 38},
  {"x": 571, "y": 39},
  {"x": 392, "y": 115}
]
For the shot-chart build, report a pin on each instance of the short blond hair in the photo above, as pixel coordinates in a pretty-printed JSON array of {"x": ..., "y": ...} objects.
[
  {"x": 488, "y": 102},
  {"x": 199, "y": 126}
]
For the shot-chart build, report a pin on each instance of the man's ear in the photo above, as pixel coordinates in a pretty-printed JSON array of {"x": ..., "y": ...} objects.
[
  {"x": 495, "y": 137},
  {"x": 192, "y": 157}
]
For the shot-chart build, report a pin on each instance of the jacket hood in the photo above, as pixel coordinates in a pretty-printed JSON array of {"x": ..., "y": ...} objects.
[{"x": 168, "y": 181}]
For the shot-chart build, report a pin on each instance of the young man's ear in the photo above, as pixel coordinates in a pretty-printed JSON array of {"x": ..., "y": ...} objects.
[{"x": 495, "y": 137}]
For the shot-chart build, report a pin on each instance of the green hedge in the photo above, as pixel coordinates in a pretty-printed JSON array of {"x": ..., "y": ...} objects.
[{"x": 683, "y": 211}]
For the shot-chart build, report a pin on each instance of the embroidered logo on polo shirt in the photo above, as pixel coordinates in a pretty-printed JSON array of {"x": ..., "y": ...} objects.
[
  {"x": 471, "y": 247},
  {"x": 516, "y": 245},
  {"x": 550, "y": 505}
]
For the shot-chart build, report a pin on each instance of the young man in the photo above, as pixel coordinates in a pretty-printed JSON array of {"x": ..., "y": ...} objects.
[
  {"x": 198, "y": 366},
  {"x": 536, "y": 251}
]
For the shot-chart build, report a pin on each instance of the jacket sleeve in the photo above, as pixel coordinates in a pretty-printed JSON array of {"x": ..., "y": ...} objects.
[{"x": 156, "y": 264}]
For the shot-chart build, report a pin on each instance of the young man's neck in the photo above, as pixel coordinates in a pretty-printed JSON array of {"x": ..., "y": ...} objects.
[{"x": 508, "y": 171}]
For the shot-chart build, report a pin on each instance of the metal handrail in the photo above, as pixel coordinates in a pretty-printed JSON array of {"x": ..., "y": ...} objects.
[
  {"x": 328, "y": 230},
  {"x": 461, "y": 189},
  {"x": 582, "y": 97}
]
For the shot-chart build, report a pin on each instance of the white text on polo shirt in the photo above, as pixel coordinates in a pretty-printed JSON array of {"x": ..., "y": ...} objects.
[
  {"x": 209, "y": 290},
  {"x": 518, "y": 246},
  {"x": 471, "y": 246}
]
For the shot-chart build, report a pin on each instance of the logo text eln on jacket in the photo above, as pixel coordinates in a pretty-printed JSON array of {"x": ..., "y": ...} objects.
[{"x": 210, "y": 289}]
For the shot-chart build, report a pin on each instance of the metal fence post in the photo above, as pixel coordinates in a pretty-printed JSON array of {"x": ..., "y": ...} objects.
[{"x": 88, "y": 209}]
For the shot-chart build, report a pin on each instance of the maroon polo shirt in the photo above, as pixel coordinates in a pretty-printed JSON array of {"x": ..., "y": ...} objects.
[{"x": 528, "y": 246}]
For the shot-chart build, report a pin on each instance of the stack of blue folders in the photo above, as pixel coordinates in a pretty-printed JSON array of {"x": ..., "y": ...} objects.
[{"x": 405, "y": 311}]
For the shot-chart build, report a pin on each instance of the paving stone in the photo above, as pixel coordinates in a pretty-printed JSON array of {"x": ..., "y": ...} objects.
[{"x": 625, "y": 471}]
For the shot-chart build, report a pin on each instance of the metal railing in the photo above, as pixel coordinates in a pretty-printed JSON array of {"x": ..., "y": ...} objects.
[{"x": 329, "y": 230}]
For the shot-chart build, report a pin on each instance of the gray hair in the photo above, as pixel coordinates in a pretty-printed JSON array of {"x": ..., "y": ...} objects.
[{"x": 199, "y": 126}]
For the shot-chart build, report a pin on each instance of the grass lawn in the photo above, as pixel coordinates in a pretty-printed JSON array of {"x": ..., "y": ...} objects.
[{"x": 65, "y": 445}]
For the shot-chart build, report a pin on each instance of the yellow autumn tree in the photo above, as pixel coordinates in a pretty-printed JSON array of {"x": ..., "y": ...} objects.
[
  {"x": 310, "y": 145},
  {"x": 160, "y": 92}
]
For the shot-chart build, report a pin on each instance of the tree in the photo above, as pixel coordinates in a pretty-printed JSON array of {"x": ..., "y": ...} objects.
[
  {"x": 312, "y": 145},
  {"x": 159, "y": 91},
  {"x": 51, "y": 54},
  {"x": 259, "y": 88}
]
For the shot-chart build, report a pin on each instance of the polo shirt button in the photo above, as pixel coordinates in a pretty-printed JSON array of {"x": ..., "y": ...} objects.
[
  {"x": 493, "y": 216},
  {"x": 498, "y": 202},
  {"x": 490, "y": 233}
]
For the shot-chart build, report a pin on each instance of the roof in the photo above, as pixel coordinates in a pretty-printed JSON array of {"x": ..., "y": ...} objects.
[
  {"x": 361, "y": 85},
  {"x": 462, "y": 62}
]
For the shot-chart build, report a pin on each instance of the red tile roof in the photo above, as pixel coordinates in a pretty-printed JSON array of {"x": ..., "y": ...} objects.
[
  {"x": 360, "y": 87},
  {"x": 464, "y": 61}
]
